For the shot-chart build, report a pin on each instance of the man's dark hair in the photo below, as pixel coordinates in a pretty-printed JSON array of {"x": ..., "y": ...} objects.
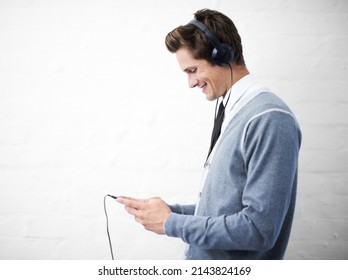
[{"x": 190, "y": 37}]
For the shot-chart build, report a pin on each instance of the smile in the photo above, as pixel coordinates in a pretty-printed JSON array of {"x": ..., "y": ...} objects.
[{"x": 203, "y": 87}]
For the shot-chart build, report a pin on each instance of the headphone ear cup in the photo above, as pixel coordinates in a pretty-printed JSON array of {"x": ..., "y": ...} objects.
[{"x": 223, "y": 56}]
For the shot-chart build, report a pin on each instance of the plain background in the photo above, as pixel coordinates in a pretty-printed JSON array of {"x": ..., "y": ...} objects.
[{"x": 91, "y": 102}]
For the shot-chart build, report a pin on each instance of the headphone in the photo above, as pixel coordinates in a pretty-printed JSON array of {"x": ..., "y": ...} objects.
[{"x": 222, "y": 53}]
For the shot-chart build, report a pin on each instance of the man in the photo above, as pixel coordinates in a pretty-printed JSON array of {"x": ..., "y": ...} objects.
[{"x": 246, "y": 204}]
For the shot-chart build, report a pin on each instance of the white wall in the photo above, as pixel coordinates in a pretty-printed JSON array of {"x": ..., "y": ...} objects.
[{"x": 92, "y": 103}]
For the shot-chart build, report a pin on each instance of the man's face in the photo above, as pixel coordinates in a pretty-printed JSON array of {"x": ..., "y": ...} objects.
[{"x": 213, "y": 80}]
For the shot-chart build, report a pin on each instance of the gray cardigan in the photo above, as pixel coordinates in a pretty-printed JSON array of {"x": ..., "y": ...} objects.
[{"x": 248, "y": 199}]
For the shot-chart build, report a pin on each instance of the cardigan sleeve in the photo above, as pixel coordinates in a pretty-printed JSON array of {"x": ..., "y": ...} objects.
[
  {"x": 270, "y": 149},
  {"x": 183, "y": 209}
]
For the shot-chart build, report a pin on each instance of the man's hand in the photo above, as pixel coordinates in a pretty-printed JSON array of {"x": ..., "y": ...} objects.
[{"x": 151, "y": 213}]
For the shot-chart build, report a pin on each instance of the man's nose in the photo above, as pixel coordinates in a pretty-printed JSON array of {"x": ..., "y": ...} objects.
[{"x": 193, "y": 82}]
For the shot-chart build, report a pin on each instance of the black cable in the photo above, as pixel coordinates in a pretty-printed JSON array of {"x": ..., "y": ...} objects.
[{"x": 107, "y": 226}]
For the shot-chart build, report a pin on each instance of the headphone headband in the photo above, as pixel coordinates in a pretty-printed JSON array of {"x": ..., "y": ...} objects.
[{"x": 222, "y": 53}]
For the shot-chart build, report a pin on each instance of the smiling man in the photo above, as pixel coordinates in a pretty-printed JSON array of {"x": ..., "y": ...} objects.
[
  {"x": 247, "y": 199},
  {"x": 214, "y": 80}
]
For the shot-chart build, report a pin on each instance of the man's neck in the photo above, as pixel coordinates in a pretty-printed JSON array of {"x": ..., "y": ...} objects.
[{"x": 239, "y": 71}]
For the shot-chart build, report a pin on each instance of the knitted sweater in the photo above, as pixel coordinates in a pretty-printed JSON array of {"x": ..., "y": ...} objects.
[{"x": 247, "y": 203}]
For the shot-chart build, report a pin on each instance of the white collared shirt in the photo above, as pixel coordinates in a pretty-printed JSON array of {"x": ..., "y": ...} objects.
[{"x": 236, "y": 95}]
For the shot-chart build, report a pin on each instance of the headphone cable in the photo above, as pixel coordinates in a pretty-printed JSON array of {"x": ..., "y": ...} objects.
[{"x": 107, "y": 227}]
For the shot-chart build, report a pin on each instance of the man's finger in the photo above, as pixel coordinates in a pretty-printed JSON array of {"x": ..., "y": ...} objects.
[
  {"x": 131, "y": 198},
  {"x": 131, "y": 211},
  {"x": 131, "y": 202}
]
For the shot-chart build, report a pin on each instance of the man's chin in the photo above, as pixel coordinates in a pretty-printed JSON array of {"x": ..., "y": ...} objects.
[{"x": 210, "y": 97}]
